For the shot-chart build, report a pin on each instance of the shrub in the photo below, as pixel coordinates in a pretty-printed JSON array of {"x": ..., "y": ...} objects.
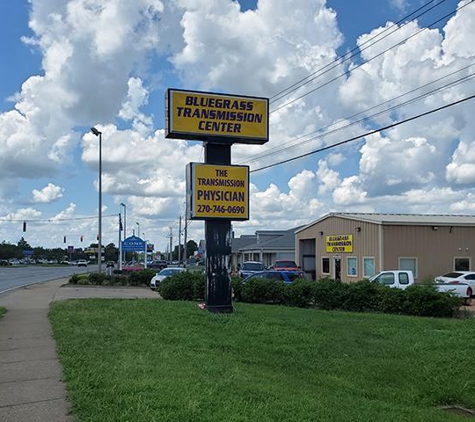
[
  {"x": 362, "y": 296},
  {"x": 141, "y": 278},
  {"x": 120, "y": 280},
  {"x": 329, "y": 294},
  {"x": 79, "y": 279},
  {"x": 424, "y": 300},
  {"x": 263, "y": 290},
  {"x": 179, "y": 286},
  {"x": 199, "y": 285},
  {"x": 97, "y": 279},
  {"x": 300, "y": 293},
  {"x": 74, "y": 279},
  {"x": 392, "y": 301},
  {"x": 236, "y": 284}
]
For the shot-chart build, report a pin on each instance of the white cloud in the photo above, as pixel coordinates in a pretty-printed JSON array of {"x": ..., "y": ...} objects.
[
  {"x": 350, "y": 192},
  {"x": 328, "y": 178},
  {"x": 48, "y": 193},
  {"x": 97, "y": 70}
]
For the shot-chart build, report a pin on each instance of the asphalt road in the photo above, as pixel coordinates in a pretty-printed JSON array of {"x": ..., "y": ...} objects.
[{"x": 15, "y": 277}]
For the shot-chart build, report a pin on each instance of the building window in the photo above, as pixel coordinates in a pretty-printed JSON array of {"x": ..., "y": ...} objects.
[
  {"x": 325, "y": 265},
  {"x": 352, "y": 263},
  {"x": 461, "y": 264},
  {"x": 408, "y": 264},
  {"x": 368, "y": 267}
]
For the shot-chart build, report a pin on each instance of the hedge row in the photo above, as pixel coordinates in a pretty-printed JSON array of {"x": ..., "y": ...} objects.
[
  {"x": 325, "y": 294},
  {"x": 363, "y": 296},
  {"x": 138, "y": 278}
]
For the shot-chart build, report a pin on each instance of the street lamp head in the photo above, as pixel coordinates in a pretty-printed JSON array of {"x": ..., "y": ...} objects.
[
  {"x": 122, "y": 204},
  {"x": 95, "y": 131}
]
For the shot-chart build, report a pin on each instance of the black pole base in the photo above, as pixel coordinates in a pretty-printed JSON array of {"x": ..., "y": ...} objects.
[
  {"x": 218, "y": 283},
  {"x": 220, "y": 309}
]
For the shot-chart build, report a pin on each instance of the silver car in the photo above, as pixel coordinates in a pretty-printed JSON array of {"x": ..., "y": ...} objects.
[{"x": 163, "y": 274}]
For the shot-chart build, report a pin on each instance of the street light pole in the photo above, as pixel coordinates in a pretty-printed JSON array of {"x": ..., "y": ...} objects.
[
  {"x": 99, "y": 237},
  {"x": 138, "y": 229},
  {"x": 145, "y": 258},
  {"x": 125, "y": 224}
]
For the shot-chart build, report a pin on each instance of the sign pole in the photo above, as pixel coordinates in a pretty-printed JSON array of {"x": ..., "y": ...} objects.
[
  {"x": 217, "y": 192},
  {"x": 218, "y": 245}
]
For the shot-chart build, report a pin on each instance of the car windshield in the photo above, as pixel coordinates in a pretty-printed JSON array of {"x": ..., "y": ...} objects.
[
  {"x": 285, "y": 264},
  {"x": 167, "y": 271},
  {"x": 252, "y": 266}
]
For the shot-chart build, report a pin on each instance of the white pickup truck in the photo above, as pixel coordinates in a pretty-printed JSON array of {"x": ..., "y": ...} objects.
[{"x": 401, "y": 279}]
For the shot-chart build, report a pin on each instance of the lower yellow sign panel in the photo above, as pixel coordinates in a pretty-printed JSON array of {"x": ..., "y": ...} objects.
[{"x": 217, "y": 191}]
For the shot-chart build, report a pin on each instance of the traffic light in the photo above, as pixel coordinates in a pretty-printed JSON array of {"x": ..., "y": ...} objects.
[
  {"x": 82, "y": 238},
  {"x": 24, "y": 226},
  {"x": 64, "y": 239}
]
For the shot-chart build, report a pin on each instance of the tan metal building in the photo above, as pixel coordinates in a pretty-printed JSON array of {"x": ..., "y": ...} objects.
[{"x": 353, "y": 246}]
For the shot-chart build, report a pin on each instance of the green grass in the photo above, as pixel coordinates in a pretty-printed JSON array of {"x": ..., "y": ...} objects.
[
  {"x": 2, "y": 312},
  {"x": 148, "y": 360}
]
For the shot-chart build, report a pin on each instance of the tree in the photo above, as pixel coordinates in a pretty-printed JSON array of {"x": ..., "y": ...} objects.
[
  {"x": 191, "y": 247},
  {"x": 111, "y": 252},
  {"x": 23, "y": 244},
  {"x": 7, "y": 251}
]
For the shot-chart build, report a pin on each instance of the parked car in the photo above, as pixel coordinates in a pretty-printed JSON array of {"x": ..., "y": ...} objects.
[
  {"x": 286, "y": 276},
  {"x": 110, "y": 264},
  {"x": 81, "y": 263},
  {"x": 4, "y": 262},
  {"x": 401, "y": 279},
  {"x": 453, "y": 277},
  {"x": 285, "y": 265},
  {"x": 250, "y": 267},
  {"x": 158, "y": 263},
  {"x": 163, "y": 274}
]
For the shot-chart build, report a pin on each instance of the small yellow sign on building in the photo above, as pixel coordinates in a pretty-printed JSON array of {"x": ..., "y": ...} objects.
[
  {"x": 217, "y": 191},
  {"x": 341, "y": 243},
  {"x": 204, "y": 116}
]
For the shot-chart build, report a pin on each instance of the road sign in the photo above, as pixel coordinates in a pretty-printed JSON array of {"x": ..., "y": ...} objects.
[{"x": 133, "y": 244}]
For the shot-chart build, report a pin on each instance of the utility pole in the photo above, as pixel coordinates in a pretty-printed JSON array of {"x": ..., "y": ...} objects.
[
  {"x": 186, "y": 233},
  {"x": 179, "y": 241},
  {"x": 171, "y": 243}
]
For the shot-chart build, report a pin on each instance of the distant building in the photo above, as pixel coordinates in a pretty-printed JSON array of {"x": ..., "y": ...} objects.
[
  {"x": 353, "y": 246},
  {"x": 265, "y": 246}
]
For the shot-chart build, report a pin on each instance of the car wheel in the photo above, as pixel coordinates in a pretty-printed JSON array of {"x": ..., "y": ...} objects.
[{"x": 470, "y": 292}]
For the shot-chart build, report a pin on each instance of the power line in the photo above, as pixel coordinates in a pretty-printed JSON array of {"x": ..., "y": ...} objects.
[
  {"x": 352, "y": 53},
  {"x": 293, "y": 143},
  {"x": 368, "y": 60},
  {"x": 365, "y": 134},
  {"x": 54, "y": 220}
]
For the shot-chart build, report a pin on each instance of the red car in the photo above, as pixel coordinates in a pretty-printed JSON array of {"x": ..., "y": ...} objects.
[{"x": 284, "y": 265}]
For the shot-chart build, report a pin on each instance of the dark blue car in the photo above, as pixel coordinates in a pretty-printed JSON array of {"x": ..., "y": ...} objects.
[{"x": 285, "y": 276}]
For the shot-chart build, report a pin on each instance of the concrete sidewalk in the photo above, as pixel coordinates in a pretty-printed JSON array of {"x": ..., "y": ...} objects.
[{"x": 31, "y": 386}]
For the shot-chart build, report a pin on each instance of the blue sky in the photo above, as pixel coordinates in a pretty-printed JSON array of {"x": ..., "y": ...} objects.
[{"x": 70, "y": 65}]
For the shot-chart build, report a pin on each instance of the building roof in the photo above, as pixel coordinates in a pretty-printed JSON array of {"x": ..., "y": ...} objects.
[
  {"x": 240, "y": 242},
  {"x": 403, "y": 219},
  {"x": 285, "y": 241}
]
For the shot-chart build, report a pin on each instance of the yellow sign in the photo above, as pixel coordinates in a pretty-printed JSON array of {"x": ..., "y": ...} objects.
[
  {"x": 205, "y": 116},
  {"x": 217, "y": 191},
  {"x": 341, "y": 243}
]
